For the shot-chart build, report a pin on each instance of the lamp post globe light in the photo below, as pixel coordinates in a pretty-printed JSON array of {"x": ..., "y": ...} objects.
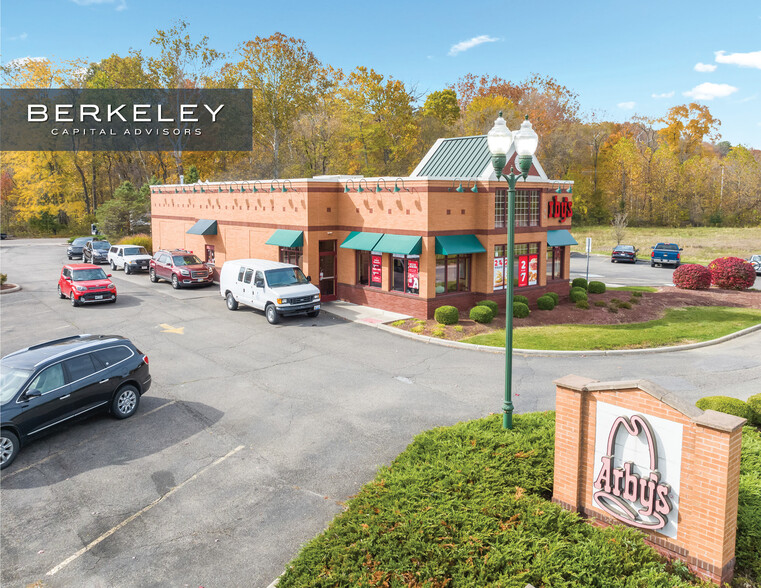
[{"x": 499, "y": 140}]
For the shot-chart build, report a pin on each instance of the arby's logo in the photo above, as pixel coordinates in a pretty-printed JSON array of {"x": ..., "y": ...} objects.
[{"x": 624, "y": 494}]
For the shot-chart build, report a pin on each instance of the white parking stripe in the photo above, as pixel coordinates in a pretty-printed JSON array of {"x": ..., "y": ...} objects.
[{"x": 128, "y": 520}]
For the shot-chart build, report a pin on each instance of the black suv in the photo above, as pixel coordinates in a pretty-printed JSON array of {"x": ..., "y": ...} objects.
[
  {"x": 75, "y": 248},
  {"x": 96, "y": 251},
  {"x": 54, "y": 382}
]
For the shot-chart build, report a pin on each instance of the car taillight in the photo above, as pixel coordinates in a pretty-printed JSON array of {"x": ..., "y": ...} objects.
[
  {"x": 145, "y": 359},
  {"x": 678, "y": 255},
  {"x": 652, "y": 254}
]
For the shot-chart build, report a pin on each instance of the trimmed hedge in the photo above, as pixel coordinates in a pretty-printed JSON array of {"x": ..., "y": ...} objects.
[
  {"x": 491, "y": 305},
  {"x": 692, "y": 276},
  {"x": 481, "y": 314},
  {"x": 596, "y": 288},
  {"x": 520, "y": 310},
  {"x": 521, "y": 299},
  {"x": 545, "y": 302},
  {"x": 578, "y": 294},
  {"x": 583, "y": 304},
  {"x": 726, "y": 404},
  {"x": 555, "y": 296},
  {"x": 446, "y": 315},
  {"x": 141, "y": 239},
  {"x": 579, "y": 283},
  {"x": 755, "y": 405},
  {"x": 732, "y": 273}
]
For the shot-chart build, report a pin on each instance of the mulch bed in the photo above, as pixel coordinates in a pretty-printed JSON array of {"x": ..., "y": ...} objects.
[{"x": 649, "y": 306}]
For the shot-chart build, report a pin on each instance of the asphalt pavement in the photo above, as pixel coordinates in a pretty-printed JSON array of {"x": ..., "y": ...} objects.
[{"x": 252, "y": 436}]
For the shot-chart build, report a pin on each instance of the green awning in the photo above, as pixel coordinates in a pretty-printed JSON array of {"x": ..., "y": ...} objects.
[
  {"x": 560, "y": 238},
  {"x": 286, "y": 238},
  {"x": 203, "y": 227},
  {"x": 458, "y": 245},
  {"x": 399, "y": 244},
  {"x": 361, "y": 241}
]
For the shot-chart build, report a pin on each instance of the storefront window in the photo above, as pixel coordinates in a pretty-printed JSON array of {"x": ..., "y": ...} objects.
[
  {"x": 406, "y": 274},
  {"x": 363, "y": 268},
  {"x": 369, "y": 268},
  {"x": 525, "y": 265},
  {"x": 526, "y": 208},
  {"x": 292, "y": 255},
  {"x": 554, "y": 262},
  {"x": 452, "y": 273}
]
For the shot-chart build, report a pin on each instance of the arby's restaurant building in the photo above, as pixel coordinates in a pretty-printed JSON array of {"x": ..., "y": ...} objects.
[{"x": 408, "y": 245}]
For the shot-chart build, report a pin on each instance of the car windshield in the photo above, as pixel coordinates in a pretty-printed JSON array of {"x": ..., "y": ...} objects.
[
  {"x": 668, "y": 247},
  {"x": 11, "y": 380},
  {"x": 101, "y": 245},
  {"x": 185, "y": 260},
  {"x": 287, "y": 276},
  {"x": 85, "y": 275},
  {"x": 624, "y": 248},
  {"x": 81, "y": 242},
  {"x": 135, "y": 251}
]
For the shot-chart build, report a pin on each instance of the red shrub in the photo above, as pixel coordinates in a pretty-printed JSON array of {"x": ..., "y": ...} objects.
[
  {"x": 732, "y": 273},
  {"x": 692, "y": 276}
]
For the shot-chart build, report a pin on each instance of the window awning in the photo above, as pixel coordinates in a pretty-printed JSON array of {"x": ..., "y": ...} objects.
[
  {"x": 361, "y": 241},
  {"x": 560, "y": 238},
  {"x": 458, "y": 245},
  {"x": 286, "y": 238},
  {"x": 203, "y": 227},
  {"x": 399, "y": 244}
]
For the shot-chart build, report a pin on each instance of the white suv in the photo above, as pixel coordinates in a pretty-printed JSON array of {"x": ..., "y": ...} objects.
[{"x": 130, "y": 258}]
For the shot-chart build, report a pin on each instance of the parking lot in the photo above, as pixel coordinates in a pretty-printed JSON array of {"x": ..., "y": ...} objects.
[{"x": 252, "y": 435}]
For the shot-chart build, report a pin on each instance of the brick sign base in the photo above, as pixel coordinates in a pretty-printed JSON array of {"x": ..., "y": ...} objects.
[{"x": 632, "y": 453}]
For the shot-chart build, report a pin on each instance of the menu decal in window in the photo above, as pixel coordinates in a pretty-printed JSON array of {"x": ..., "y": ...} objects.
[
  {"x": 376, "y": 268},
  {"x": 533, "y": 269},
  {"x": 412, "y": 274},
  {"x": 523, "y": 270},
  {"x": 499, "y": 277}
]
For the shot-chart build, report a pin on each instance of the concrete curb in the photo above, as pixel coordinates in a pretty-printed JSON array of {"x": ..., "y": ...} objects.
[
  {"x": 548, "y": 352},
  {"x": 15, "y": 288}
]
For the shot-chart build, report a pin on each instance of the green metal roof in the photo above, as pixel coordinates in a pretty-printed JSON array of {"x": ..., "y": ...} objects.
[
  {"x": 399, "y": 244},
  {"x": 458, "y": 245},
  {"x": 203, "y": 227},
  {"x": 462, "y": 157},
  {"x": 559, "y": 238},
  {"x": 286, "y": 238},
  {"x": 362, "y": 241}
]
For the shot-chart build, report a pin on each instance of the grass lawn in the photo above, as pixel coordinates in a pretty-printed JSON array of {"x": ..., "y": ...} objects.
[
  {"x": 469, "y": 505},
  {"x": 701, "y": 244},
  {"x": 680, "y": 325}
]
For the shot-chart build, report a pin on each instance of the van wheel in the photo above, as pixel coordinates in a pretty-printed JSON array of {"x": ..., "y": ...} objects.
[
  {"x": 152, "y": 275},
  {"x": 313, "y": 313},
  {"x": 232, "y": 304},
  {"x": 9, "y": 446},
  {"x": 273, "y": 317}
]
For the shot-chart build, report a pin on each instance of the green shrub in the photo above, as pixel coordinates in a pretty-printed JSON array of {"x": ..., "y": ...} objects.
[
  {"x": 579, "y": 283},
  {"x": 596, "y": 288},
  {"x": 141, "y": 240},
  {"x": 457, "y": 328},
  {"x": 521, "y": 299},
  {"x": 578, "y": 294},
  {"x": 3, "y": 279},
  {"x": 600, "y": 303},
  {"x": 438, "y": 332},
  {"x": 446, "y": 315},
  {"x": 481, "y": 314},
  {"x": 613, "y": 309},
  {"x": 490, "y": 304},
  {"x": 545, "y": 303},
  {"x": 520, "y": 310},
  {"x": 634, "y": 300},
  {"x": 726, "y": 404},
  {"x": 749, "y": 509},
  {"x": 755, "y": 405},
  {"x": 615, "y": 300},
  {"x": 583, "y": 304},
  {"x": 555, "y": 296},
  {"x": 637, "y": 294},
  {"x": 417, "y": 329},
  {"x": 624, "y": 305}
]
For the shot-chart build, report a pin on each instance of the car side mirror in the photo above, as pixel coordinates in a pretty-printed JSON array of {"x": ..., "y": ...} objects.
[
  {"x": 32, "y": 393},
  {"x": 681, "y": 249},
  {"x": 309, "y": 279},
  {"x": 108, "y": 275}
]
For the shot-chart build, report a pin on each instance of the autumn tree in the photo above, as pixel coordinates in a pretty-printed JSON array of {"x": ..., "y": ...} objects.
[{"x": 686, "y": 127}]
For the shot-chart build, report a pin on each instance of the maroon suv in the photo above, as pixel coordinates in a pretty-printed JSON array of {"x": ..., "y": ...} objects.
[{"x": 181, "y": 268}]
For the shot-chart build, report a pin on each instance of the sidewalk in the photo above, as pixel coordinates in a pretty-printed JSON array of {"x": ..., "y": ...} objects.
[{"x": 362, "y": 314}]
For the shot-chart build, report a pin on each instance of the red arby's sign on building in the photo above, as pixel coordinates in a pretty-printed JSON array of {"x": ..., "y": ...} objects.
[{"x": 561, "y": 209}]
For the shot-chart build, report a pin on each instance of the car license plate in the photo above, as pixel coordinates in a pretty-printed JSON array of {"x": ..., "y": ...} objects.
[
  {"x": 99, "y": 297},
  {"x": 317, "y": 307}
]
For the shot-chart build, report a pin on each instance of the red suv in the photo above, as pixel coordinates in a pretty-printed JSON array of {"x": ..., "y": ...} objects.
[
  {"x": 180, "y": 267},
  {"x": 84, "y": 283}
]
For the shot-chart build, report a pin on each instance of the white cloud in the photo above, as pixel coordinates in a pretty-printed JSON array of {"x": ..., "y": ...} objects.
[
  {"x": 709, "y": 91},
  {"x": 664, "y": 95},
  {"x": 469, "y": 44},
  {"x": 22, "y": 61},
  {"x": 705, "y": 67},
  {"x": 627, "y": 105},
  {"x": 120, "y": 4},
  {"x": 21, "y": 37},
  {"x": 752, "y": 59}
]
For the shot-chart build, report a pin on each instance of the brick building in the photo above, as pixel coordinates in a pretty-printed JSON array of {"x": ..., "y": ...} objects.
[{"x": 407, "y": 244}]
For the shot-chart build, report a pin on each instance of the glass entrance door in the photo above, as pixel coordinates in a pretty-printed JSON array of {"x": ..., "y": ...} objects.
[{"x": 328, "y": 270}]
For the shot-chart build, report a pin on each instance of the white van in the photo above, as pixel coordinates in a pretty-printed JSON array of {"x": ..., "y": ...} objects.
[{"x": 276, "y": 288}]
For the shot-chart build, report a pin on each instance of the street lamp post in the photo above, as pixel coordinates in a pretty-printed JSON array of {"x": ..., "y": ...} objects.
[{"x": 500, "y": 139}]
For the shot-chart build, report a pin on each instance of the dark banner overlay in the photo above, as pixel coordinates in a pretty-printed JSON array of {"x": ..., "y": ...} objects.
[{"x": 126, "y": 120}]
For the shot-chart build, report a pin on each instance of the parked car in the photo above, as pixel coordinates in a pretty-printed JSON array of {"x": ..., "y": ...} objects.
[
  {"x": 276, "y": 288},
  {"x": 96, "y": 251},
  {"x": 666, "y": 253},
  {"x": 76, "y": 246},
  {"x": 50, "y": 384},
  {"x": 755, "y": 261},
  {"x": 84, "y": 283},
  {"x": 624, "y": 253},
  {"x": 130, "y": 258},
  {"x": 181, "y": 268}
]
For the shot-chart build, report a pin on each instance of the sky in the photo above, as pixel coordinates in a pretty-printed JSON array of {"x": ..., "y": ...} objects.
[{"x": 623, "y": 59}]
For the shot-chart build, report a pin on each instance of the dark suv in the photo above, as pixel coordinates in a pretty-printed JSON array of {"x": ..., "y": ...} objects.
[
  {"x": 52, "y": 383},
  {"x": 181, "y": 268},
  {"x": 76, "y": 247},
  {"x": 96, "y": 251}
]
